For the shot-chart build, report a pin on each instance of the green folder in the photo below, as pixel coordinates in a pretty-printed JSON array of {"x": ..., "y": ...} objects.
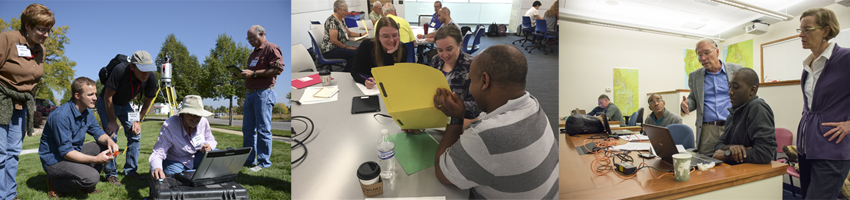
[{"x": 415, "y": 152}]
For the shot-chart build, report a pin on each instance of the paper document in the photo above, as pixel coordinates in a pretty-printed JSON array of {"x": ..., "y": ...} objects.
[
  {"x": 307, "y": 98},
  {"x": 635, "y": 138},
  {"x": 678, "y": 147},
  {"x": 366, "y": 35},
  {"x": 634, "y": 146},
  {"x": 408, "y": 91},
  {"x": 326, "y": 92},
  {"x": 415, "y": 152},
  {"x": 373, "y": 91}
]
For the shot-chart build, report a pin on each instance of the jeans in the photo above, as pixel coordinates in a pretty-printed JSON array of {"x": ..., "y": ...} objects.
[
  {"x": 342, "y": 53},
  {"x": 170, "y": 167},
  {"x": 131, "y": 164},
  {"x": 256, "y": 126},
  {"x": 11, "y": 139}
]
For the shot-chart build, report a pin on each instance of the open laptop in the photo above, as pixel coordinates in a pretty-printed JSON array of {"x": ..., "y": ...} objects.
[
  {"x": 664, "y": 146},
  {"x": 216, "y": 166},
  {"x": 616, "y": 133}
]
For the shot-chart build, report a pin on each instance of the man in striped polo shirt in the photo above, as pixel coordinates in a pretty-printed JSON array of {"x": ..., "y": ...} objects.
[{"x": 511, "y": 151}]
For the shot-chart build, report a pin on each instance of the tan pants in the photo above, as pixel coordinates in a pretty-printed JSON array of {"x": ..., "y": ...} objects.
[{"x": 708, "y": 138}]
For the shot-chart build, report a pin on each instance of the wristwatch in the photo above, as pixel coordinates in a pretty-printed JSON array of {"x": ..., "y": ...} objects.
[
  {"x": 728, "y": 153},
  {"x": 255, "y": 74},
  {"x": 454, "y": 121}
]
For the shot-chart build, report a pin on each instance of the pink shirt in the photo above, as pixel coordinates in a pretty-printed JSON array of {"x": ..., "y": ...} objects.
[{"x": 174, "y": 144}]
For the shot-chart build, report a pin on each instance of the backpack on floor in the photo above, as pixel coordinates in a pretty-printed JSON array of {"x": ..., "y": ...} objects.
[
  {"x": 503, "y": 30},
  {"x": 464, "y": 30},
  {"x": 493, "y": 30}
]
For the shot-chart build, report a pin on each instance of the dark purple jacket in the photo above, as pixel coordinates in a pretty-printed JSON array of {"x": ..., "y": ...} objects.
[{"x": 830, "y": 103}]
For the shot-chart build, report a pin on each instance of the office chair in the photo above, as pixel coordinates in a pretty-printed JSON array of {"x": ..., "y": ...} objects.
[
  {"x": 474, "y": 47},
  {"x": 785, "y": 137},
  {"x": 682, "y": 134},
  {"x": 321, "y": 59},
  {"x": 301, "y": 59},
  {"x": 541, "y": 33},
  {"x": 411, "y": 55},
  {"x": 526, "y": 29}
]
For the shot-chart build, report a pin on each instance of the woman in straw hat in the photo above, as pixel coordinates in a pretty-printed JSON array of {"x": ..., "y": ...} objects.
[{"x": 182, "y": 140}]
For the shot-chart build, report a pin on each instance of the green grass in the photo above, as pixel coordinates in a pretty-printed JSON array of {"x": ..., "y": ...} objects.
[
  {"x": 282, "y": 133},
  {"x": 269, "y": 183}
]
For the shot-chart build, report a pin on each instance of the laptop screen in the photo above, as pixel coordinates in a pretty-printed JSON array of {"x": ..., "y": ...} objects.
[
  {"x": 219, "y": 163},
  {"x": 662, "y": 142}
]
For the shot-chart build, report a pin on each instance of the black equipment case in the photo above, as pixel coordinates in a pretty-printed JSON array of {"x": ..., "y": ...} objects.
[{"x": 171, "y": 188}]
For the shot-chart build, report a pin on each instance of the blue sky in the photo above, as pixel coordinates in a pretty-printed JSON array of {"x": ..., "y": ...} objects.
[{"x": 101, "y": 29}]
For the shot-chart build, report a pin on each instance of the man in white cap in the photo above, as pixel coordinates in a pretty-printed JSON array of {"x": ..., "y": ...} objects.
[
  {"x": 124, "y": 82},
  {"x": 183, "y": 139}
]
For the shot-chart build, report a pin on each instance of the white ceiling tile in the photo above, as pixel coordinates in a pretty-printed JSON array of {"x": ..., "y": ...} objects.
[
  {"x": 720, "y": 11},
  {"x": 697, "y": 8},
  {"x": 650, "y": 2},
  {"x": 674, "y": 4},
  {"x": 740, "y": 14}
]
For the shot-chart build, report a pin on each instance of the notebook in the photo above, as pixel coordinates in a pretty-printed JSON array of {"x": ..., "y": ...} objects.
[
  {"x": 303, "y": 82},
  {"x": 326, "y": 92}
]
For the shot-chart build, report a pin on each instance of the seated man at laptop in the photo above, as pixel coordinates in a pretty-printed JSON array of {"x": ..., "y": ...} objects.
[
  {"x": 183, "y": 139},
  {"x": 511, "y": 151},
  {"x": 749, "y": 132},
  {"x": 607, "y": 109},
  {"x": 70, "y": 164},
  {"x": 660, "y": 116}
]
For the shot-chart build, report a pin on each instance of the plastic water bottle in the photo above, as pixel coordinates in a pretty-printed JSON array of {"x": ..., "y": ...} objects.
[{"x": 386, "y": 152}]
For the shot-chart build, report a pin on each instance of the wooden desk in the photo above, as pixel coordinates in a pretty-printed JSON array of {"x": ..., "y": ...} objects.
[
  {"x": 578, "y": 182},
  {"x": 561, "y": 124}
]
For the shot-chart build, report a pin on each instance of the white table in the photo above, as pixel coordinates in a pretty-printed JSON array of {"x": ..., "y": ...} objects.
[{"x": 341, "y": 142}]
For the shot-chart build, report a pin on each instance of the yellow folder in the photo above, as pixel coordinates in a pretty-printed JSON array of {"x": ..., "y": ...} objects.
[{"x": 408, "y": 92}]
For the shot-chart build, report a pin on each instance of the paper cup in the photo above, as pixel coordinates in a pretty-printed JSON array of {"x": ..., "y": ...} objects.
[
  {"x": 370, "y": 181},
  {"x": 682, "y": 166}
]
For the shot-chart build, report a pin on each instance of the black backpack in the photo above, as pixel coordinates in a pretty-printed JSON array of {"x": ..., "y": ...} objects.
[
  {"x": 582, "y": 124},
  {"x": 493, "y": 30},
  {"x": 464, "y": 30},
  {"x": 105, "y": 71}
]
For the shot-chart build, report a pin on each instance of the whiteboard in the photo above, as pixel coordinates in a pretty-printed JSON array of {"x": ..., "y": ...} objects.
[{"x": 782, "y": 59}]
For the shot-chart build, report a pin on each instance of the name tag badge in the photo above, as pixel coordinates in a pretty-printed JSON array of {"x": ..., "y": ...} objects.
[
  {"x": 253, "y": 63},
  {"x": 133, "y": 117},
  {"x": 24, "y": 51},
  {"x": 433, "y": 24},
  {"x": 198, "y": 140}
]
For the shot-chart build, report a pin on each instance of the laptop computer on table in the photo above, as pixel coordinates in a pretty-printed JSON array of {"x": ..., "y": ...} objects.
[
  {"x": 616, "y": 133},
  {"x": 216, "y": 166},
  {"x": 662, "y": 143}
]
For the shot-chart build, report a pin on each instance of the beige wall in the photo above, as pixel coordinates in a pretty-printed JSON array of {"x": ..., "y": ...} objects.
[{"x": 589, "y": 53}]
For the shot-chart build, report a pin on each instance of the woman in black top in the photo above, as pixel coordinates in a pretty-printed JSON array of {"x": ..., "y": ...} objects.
[{"x": 386, "y": 49}]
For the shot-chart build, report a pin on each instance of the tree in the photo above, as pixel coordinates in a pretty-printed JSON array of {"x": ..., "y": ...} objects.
[
  {"x": 58, "y": 68},
  {"x": 279, "y": 108},
  {"x": 187, "y": 75},
  {"x": 222, "y": 109},
  {"x": 226, "y": 52}
]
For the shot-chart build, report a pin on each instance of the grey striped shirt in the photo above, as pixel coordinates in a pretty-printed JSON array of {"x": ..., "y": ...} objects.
[{"x": 510, "y": 153}]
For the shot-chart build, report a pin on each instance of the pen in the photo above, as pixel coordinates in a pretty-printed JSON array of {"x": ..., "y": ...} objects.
[{"x": 367, "y": 78}]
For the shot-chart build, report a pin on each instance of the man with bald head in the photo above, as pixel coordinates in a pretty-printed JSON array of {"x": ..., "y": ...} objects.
[
  {"x": 709, "y": 95},
  {"x": 749, "y": 132},
  {"x": 513, "y": 137},
  {"x": 264, "y": 64},
  {"x": 445, "y": 16},
  {"x": 376, "y": 13}
]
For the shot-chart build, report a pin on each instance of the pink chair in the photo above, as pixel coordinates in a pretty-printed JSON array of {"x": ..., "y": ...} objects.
[{"x": 784, "y": 137}]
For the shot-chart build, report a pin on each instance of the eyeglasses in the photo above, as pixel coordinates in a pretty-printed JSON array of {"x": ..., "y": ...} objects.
[
  {"x": 251, "y": 38},
  {"x": 807, "y": 30},
  {"x": 44, "y": 30},
  {"x": 655, "y": 101}
]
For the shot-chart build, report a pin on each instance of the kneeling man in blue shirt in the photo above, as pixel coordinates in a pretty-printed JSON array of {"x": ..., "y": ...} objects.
[{"x": 70, "y": 164}]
